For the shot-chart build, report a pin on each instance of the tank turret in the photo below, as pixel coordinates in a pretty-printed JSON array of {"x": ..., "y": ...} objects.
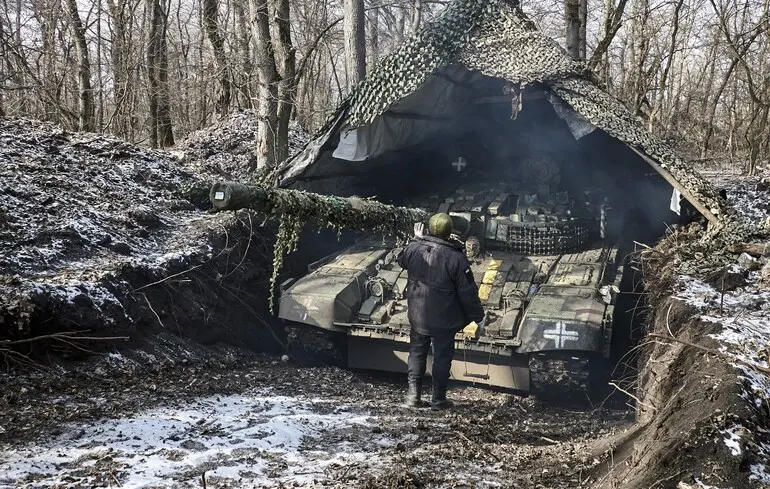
[{"x": 548, "y": 278}]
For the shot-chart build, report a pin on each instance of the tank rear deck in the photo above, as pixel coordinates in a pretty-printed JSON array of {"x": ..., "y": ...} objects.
[{"x": 555, "y": 290}]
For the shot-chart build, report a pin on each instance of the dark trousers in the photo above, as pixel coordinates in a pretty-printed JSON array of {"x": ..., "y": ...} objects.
[{"x": 443, "y": 351}]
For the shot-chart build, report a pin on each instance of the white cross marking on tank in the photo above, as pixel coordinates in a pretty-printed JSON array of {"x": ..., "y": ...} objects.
[
  {"x": 460, "y": 164},
  {"x": 560, "y": 335}
]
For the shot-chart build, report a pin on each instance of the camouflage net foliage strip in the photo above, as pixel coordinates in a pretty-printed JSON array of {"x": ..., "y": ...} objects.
[{"x": 296, "y": 207}]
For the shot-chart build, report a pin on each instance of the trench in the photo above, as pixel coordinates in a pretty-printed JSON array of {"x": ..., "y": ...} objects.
[
  {"x": 243, "y": 419},
  {"x": 204, "y": 388}
]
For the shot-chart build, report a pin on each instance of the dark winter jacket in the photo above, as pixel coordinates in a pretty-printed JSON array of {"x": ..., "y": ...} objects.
[{"x": 441, "y": 293}]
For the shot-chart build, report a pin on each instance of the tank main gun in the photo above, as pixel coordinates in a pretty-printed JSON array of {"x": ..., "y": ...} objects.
[{"x": 353, "y": 213}]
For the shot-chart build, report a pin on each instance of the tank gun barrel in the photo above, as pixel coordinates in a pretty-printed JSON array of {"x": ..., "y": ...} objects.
[{"x": 352, "y": 213}]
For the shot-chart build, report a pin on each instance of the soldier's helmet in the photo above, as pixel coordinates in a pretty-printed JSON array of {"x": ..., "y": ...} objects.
[{"x": 440, "y": 225}]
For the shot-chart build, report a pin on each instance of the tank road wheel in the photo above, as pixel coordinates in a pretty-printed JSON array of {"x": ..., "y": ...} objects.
[
  {"x": 312, "y": 346},
  {"x": 559, "y": 376}
]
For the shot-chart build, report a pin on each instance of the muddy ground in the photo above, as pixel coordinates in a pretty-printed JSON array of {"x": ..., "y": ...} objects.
[
  {"x": 256, "y": 421},
  {"x": 181, "y": 403}
]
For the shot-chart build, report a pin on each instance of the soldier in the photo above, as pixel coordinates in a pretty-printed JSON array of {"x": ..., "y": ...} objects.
[{"x": 443, "y": 298}]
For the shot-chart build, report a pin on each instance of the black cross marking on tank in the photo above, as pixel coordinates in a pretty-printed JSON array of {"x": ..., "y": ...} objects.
[{"x": 560, "y": 335}]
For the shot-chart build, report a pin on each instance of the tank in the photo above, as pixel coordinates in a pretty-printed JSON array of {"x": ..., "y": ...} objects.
[{"x": 548, "y": 268}]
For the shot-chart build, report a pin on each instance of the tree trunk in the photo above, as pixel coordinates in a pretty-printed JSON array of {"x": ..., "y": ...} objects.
[
  {"x": 416, "y": 16},
  {"x": 373, "y": 37},
  {"x": 86, "y": 94},
  {"x": 118, "y": 122},
  {"x": 611, "y": 26},
  {"x": 286, "y": 63},
  {"x": 712, "y": 109},
  {"x": 641, "y": 46},
  {"x": 355, "y": 41},
  {"x": 161, "y": 131},
  {"x": 572, "y": 26},
  {"x": 268, "y": 84},
  {"x": 582, "y": 40},
  {"x": 210, "y": 19},
  {"x": 754, "y": 137},
  {"x": 667, "y": 68},
  {"x": 244, "y": 45},
  {"x": 152, "y": 78},
  {"x": 165, "y": 129},
  {"x": 99, "y": 78}
]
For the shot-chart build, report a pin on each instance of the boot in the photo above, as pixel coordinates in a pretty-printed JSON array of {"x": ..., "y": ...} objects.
[
  {"x": 439, "y": 400},
  {"x": 413, "y": 395}
]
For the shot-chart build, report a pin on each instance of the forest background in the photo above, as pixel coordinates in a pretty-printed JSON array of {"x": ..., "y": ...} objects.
[{"x": 151, "y": 71}]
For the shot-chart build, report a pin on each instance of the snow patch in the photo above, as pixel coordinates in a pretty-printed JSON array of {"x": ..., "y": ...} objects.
[
  {"x": 256, "y": 440},
  {"x": 733, "y": 441}
]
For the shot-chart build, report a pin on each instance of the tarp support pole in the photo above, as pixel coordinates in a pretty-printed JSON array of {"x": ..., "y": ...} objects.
[{"x": 673, "y": 181}]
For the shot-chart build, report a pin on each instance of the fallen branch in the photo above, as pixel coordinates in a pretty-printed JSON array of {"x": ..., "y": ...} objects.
[
  {"x": 638, "y": 401},
  {"x": 165, "y": 279},
  {"x": 70, "y": 335},
  {"x": 153, "y": 311},
  {"x": 758, "y": 368}
]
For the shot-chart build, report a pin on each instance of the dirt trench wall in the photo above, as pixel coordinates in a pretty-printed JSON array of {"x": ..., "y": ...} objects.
[
  {"x": 100, "y": 238},
  {"x": 697, "y": 426},
  {"x": 216, "y": 293}
]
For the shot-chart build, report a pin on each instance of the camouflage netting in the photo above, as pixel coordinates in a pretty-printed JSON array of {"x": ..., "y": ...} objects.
[{"x": 495, "y": 38}]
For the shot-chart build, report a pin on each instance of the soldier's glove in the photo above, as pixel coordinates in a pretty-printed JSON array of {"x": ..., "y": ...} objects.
[{"x": 419, "y": 229}]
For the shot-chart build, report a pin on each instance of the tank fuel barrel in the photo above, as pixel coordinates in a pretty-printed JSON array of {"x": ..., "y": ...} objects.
[{"x": 354, "y": 213}]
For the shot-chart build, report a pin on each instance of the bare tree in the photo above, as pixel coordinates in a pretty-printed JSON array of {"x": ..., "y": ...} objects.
[
  {"x": 210, "y": 18},
  {"x": 612, "y": 23},
  {"x": 243, "y": 33},
  {"x": 355, "y": 41},
  {"x": 286, "y": 63},
  {"x": 661, "y": 89},
  {"x": 268, "y": 84},
  {"x": 161, "y": 131},
  {"x": 575, "y": 29},
  {"x": 86, "y": 95}
]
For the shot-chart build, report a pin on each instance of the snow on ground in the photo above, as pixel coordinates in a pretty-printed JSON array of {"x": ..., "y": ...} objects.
[
  {"x": 227, "y": 148},
  {"x": 744, "y": 315},
  {"x": 68, "y": 200},
  {"x": 249, "y": 440}
]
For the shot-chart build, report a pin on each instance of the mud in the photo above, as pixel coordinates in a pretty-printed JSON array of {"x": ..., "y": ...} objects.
[{"x": 333, "y": 428}]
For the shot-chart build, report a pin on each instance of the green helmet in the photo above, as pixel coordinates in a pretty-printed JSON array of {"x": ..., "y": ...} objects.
[{"x": 440, "y": 225}]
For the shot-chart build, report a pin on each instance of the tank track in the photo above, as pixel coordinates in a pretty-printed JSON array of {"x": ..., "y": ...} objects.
[
  {"x": 311, "y": 346},
  {"x": 558, "y": 375}
]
